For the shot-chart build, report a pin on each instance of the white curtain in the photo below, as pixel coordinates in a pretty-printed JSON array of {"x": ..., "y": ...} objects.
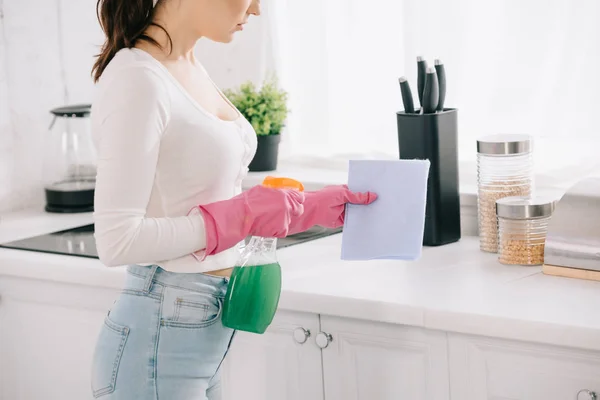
[{"x": 513, "y": 66}]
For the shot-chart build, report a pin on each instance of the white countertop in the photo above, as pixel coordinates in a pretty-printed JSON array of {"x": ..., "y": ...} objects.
[{"x": 454, "y": 288}]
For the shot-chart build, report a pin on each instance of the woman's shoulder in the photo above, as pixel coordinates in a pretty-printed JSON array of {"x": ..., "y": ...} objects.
[
  {"x": 131, "y": 78},
  {"x": 133, "y": 64}
]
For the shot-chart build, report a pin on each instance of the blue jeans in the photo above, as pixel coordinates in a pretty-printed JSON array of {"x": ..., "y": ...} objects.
[{"x": 163, "y": 338}]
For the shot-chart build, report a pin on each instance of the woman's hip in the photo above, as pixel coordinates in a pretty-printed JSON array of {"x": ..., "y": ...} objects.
[{"x": 162, "y": 338}]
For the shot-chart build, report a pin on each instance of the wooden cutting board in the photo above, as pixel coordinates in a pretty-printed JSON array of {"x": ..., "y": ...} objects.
[{"x": 571, "y": 272}]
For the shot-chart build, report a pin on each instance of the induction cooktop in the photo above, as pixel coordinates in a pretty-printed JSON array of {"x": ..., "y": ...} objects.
[{"x": 80, "y": 241}]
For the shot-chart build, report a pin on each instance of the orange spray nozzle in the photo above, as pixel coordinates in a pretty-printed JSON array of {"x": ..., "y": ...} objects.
[{"x": 282, "y": 183}]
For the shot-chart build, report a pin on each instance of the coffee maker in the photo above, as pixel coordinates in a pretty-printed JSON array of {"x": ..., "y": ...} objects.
[{"x": 70, "y": 161}]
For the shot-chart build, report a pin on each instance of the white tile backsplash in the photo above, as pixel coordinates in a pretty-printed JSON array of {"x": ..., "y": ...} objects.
[{"x": 47, "y": 50}]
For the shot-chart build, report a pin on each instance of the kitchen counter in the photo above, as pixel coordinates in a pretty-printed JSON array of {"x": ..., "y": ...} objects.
[{"x": 453, "y": 288}]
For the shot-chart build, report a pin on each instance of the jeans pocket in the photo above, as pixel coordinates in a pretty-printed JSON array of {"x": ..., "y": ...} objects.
[
  {"x": 194, "y": 310},
  {"x": 107, "y": 357}
]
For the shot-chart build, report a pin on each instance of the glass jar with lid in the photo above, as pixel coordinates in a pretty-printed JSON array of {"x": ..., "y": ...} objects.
[
  {"x": 504, "y": 169},
  {"x": 70, "y": 161},
  {"x": 522, "y": 229}
]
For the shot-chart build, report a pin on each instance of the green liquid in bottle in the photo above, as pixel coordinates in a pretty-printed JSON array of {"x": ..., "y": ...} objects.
[{"x": 252, "y": 297}]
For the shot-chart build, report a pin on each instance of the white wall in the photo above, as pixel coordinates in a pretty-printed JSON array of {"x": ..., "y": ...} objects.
[{"x": 46, "y": 54}]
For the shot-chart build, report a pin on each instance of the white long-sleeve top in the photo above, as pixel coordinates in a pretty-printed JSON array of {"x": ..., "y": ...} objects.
[{"x": 159, "y": 155}]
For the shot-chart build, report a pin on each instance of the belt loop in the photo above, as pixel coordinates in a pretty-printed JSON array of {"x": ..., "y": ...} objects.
[{"x": 150, "y": 278}]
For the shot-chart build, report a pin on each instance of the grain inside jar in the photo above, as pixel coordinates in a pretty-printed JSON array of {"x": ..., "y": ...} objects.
[
  {"x": 522, "y": 229},
  {"x": 504, "y": 169}
]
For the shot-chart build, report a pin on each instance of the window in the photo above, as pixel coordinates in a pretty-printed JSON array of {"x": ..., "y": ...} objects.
[{"x": 513, "y": 66}]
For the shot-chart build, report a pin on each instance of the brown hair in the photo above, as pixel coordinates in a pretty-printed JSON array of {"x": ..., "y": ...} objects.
[{"x": 124, "y": 22}]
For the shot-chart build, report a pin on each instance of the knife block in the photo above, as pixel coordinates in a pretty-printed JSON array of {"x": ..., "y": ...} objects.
[{"x": 435, "y": 137}]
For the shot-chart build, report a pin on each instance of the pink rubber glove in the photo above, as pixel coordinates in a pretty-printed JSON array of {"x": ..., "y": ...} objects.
[
  {"x": 259, "y": 211},
  {"x": 327, "y": 207}
]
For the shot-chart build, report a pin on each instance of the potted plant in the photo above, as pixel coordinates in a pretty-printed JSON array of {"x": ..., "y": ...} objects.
[{"x": 266, "y": 110}]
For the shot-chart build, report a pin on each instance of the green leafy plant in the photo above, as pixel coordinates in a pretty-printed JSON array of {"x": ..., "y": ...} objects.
[{"x": 266, "y": 109}]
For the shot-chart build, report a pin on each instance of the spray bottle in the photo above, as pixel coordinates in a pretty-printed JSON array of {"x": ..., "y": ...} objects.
[{"x": 255, "y": 285}]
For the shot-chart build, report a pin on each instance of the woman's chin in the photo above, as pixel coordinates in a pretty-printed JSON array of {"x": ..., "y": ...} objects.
[{"x": 225, "y": 38}]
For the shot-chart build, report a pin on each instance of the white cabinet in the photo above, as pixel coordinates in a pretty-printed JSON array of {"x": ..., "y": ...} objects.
[
  {"x": 275, "y": 365},
  {"x": 363, "y": 361},
  {"x": 490, "y": 369},
  {"x": 368, "y": 360},
  {"x": 48, "y": 332}
]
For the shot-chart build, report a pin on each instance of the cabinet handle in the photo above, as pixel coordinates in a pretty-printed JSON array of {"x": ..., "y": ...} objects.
[
  {"x": 591, "y": 395},
  {"x": 323, "y": 339},
  {"x": 301, "y": 335}
]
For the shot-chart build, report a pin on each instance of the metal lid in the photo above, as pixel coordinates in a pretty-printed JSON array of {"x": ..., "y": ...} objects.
[
  {"x": 76, "y": 110},
  {"x": 504, "y": 144},
  {"x": 516, "y": 207}
]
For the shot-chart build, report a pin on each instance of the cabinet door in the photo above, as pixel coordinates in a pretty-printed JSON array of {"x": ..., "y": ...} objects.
[
  {"x": 48, "y": 332},
  {"x": 368, "y": 360},
  {"x": 490, "y": 369},
  {"x": 275, "y": 366}
]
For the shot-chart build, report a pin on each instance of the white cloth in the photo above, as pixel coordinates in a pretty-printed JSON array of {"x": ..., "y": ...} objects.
[{"x": 159, "y": 155}]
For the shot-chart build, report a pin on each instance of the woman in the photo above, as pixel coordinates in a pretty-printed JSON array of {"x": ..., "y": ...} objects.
[{"x": 172, "y": 153}]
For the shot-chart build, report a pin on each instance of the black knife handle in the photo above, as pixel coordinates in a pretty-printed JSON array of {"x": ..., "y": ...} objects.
[
  {"x": 441, "y": 76},
  {"x": 431, "y": 92},
  {"x": 407, "y": 98},
  {"x": 421, "y": 72}
]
